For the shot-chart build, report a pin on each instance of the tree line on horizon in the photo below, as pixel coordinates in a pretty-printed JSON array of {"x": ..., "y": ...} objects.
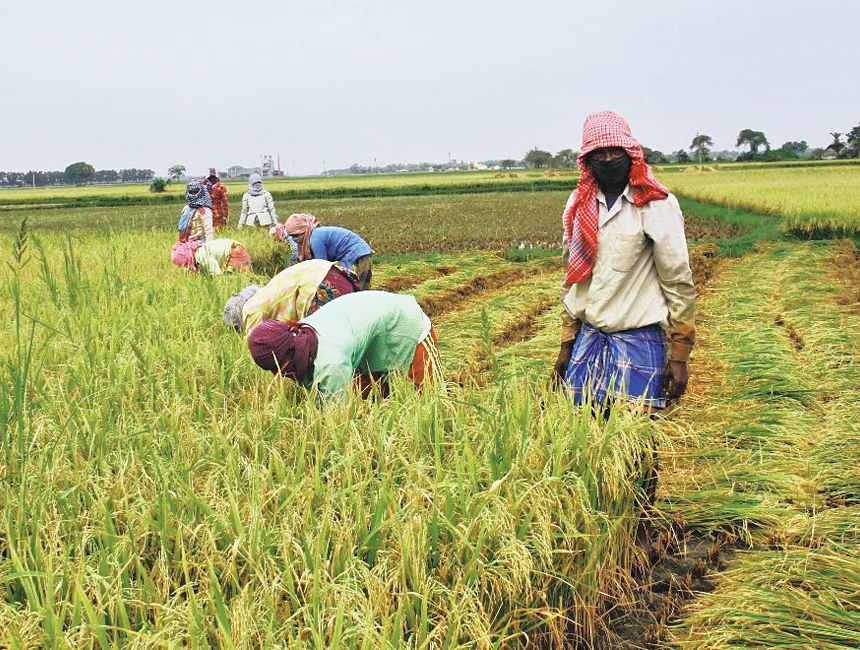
[
  {"x": 700, "y": 151},
  {"x": 79, "y": 173}
]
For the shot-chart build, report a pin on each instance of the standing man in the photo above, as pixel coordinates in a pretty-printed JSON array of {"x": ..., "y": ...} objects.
[
  {"x": 218, "y": 194},
  {"x": 628, "y": 295}
]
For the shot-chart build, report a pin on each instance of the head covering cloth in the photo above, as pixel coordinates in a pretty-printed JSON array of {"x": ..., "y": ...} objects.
[
  {"x": 287, "y": 348},
  {"x": 183, "y": 253},
  {"x": 602, "y": 129},
  {"x": 299, "y": 226},
  {"x": 279, "y": 233},
  {"x": 235, "y": 304},
  {"x": 208, "y": 182},
  {"x": 198, "y": 199},
  {"x": 255, "y": 185}
]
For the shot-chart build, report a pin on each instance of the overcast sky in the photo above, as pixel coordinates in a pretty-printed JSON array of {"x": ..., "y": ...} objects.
[{"x": 324, "y": 84}]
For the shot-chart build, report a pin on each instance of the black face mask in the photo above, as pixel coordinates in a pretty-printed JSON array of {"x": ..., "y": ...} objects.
[{"x": 614, "y": 173}]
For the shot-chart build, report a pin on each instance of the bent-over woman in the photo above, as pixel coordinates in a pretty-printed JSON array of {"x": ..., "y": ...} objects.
[
  {"x": 292, "y": 294},
  {"x": 213, "y": 257},
  {"x": 331, "y": 243},
  {"x": 368, "y": 333}
]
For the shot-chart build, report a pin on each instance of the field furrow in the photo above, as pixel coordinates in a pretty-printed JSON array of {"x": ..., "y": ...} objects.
[{"x": 772, "y": 460}]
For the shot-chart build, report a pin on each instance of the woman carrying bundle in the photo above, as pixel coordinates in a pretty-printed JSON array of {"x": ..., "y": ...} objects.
[
  {"x": 368, "y": 334},
  {"x": 331, "y": 243},
  {"x": 292, "y": 294}
]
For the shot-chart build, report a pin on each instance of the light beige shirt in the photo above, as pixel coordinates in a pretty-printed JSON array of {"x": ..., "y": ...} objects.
[
  {"x": 641, "y": 274},
  {"x": 258, "y": 210}
]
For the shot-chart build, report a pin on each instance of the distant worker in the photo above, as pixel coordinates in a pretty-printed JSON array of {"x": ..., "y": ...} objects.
[
  {"x": 628, "y": 295},
  {"x": 358, "y": 338},
  {"x": 214, "y": 257},
  {"x": 195, "y": 222},
  {"x": 258, "y": 207},
  {"x": 331, "y": 243},
  {"x": 218, "y": 194},
  {"x": 292, "y": 294}
]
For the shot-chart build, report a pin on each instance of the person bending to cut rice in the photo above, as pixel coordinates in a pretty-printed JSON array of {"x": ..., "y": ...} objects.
[
  {"x": 368, "y": 334},
  {"x": 331, "y": 243},
  {"x": 292, "y": 294},
  {"x": 214, "y": 257}
]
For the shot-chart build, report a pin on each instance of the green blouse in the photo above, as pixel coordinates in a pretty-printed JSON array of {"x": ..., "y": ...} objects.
[{"x": 364, "y": 332}]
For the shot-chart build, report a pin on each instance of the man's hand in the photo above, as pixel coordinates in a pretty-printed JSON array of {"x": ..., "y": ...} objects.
[
  {"x": 561, "y": 362},
  {"x": 675, "y": 379}
]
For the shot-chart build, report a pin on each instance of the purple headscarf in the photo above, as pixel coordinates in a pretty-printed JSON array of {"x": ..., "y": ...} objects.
[{"x": 286, "y": 348}]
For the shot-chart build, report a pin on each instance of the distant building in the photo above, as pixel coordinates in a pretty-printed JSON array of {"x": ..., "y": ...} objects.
[
  {"x": 267, "y": 169},
  {"x": 237, "y": 171}
]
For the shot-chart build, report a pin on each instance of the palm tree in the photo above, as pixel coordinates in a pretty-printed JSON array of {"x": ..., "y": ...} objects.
[
  {"x": 700, "y": 145},
  {"x": 835, "y": 146}
]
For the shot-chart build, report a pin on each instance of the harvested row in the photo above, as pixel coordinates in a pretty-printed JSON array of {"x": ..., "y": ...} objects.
[
  {"x": 773, "y": 457},
  {"x": 486, "y": 323}
]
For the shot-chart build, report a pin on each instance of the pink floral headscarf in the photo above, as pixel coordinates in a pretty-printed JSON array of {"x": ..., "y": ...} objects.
[{"x": 183, "y": 253}]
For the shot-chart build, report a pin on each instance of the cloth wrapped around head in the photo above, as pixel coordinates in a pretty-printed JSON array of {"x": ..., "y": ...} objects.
[
  {"x": 197, "y": 196},
  {"x": 279, "y": 233},
  {"x": 299, "y": 226},
  {"x": 255, "y": 185},
  {"x": 286, "y": 348},
  {"x": 602, "y": 129},
  {"x": 234, "y": 306},
  {"x": 183, "y": 253}
]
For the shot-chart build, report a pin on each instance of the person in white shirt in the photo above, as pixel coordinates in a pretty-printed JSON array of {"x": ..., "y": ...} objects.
[
  {"x": 258, "y": 207},
  {"x": 628, "y": 322},
  {"x": 629, "y": 301}
]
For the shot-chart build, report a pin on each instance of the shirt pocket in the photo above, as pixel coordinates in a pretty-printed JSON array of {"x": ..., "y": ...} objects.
[{"x": 626, "y": 249}]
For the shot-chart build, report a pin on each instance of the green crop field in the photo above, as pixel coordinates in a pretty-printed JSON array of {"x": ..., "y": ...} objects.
[
  {"x": 121, "y": 195},
  {"x": 159, "y": 490},
  {"x": 814, "y": 200}
]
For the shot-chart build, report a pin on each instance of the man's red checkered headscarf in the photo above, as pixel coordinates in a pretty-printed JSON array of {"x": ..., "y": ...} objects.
[{"x": 602, "y": 129}]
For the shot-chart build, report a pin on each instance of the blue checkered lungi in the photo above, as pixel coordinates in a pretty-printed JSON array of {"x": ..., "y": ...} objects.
[{"x": 628, "y": 363}]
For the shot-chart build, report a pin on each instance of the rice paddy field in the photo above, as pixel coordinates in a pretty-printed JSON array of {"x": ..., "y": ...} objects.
[
  {"x": 159, "y": 490},
  {"x": 813, "y": 200}
]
